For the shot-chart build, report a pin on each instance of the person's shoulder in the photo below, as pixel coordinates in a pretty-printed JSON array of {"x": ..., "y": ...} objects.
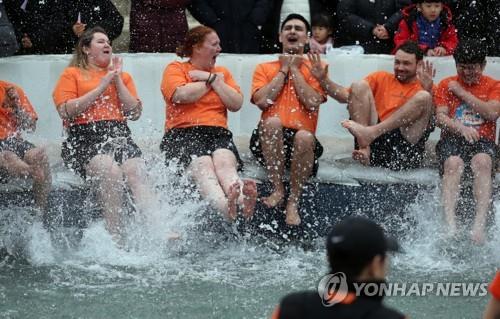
[
  {"x": 386, "y": 313},
  {"x": 381, "y": 75},
  {"x": 5, "y": 84},
  {"x": 71, "y": 70},
  {"x": 268, "y": 64},
  {"x": 489, "y": 80},
  {"x": 296, "y": 302}
]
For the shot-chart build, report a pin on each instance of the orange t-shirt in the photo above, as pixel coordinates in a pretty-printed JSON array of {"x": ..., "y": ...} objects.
[
  {"x": 389, "y": 93},
  {"x": 487, "y": 89},
  {"x": 495, "y": 286},
  {"x": 287, "y": 106},
  {"x": 75, "y": 82},
  {"x": 208, "y": 110},
  {"x": 8, "y": 122}
]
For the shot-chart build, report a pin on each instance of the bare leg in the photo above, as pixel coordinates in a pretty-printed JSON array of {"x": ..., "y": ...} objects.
[
  {"x": 481, "y": 165},
  {"x": 271, "y": 139},
  {"x": 412, "y": 118},
  {"x": 202, "y": 170},
  {"x": 136, "y": 177},
  {"x": 40, "y": 172},
  {"x": 109, "y": 176},
  {"x": 302, "y": 165},
  {"x": 249, "y": 197},
  {"x": 362, "y": 110},
  {"x": 453, "y": 170}
]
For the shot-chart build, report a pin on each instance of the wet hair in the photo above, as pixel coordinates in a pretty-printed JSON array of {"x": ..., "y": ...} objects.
[
  {"x": 412, "y": 47},
  {"x": 194, "y": 37},
  {"x": 321, "y": 20},
  {"x": 470, "y": 51},
  {"x": 80, "y": 59},
  {"x": 293, "y": 16}
]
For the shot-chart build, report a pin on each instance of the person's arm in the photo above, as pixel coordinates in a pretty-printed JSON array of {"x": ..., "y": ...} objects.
[
  {"x": 267, "y": 94},
  {"x": 446, "y": 123},
  {"x": 231, "y": 98},
  {"x": 492, "y": 309},
  {"x": 129, "y": 104},
  {"x": 320, "y": 72},
  {"x": 489, "y": 110},
  {"x": 425, "y": 74},
  {"x": 13, "y": 102},
  {"x": 305, "y": 93},
  {"x": 193, "y": 91}
]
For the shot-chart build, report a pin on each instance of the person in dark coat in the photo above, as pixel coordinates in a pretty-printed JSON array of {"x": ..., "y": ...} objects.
[
  {"x": 157, "y": 25},
  {"x": 39, "y": 27},
  {"x": 369, "y": 23},
  {"x": 237, "y": 22},
  {"x": 478, "y": 20},
  {"x": 8, "y": 41},
  {"x": 86, "y": 14},
  {"x": 271, "y": 28}
]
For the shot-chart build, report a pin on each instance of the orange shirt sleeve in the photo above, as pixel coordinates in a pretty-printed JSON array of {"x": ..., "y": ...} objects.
[
  {"x": 228, "y": 78},
  {"x": 66, "y": 87},
  {"x": 259, "y": 79},
  {"x": 129, "y": 83},
  {"x": 372, "y": 79},
  {"x": 441, "y": 94},
  {"x": 495, "y": 286},
  {"x": 494, "y": 93},
  {"x": 26, "y": 104},
  {"x": 173, "y": 77}
]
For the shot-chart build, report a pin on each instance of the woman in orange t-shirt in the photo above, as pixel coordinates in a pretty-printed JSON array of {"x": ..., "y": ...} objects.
[
  {"x": 95, "y": 98},
  {"x": 198, "y": 95}
]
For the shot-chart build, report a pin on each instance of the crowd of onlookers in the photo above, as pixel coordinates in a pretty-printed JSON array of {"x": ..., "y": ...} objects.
[{"x": 252, "y": 26}]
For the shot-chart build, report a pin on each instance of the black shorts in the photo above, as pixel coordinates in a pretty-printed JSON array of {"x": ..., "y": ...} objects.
[
  {"x": 288, "y": 137},
  {"x": 454, "y": 145},
  {"x": 182, "y": 144},
  {"x": 104, "y": 137},
  {"x": 15, "y": 145},
  {"x": 391, "y": 150}
]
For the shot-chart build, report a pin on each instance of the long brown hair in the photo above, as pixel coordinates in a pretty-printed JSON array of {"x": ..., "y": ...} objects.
[
  {"x": 80, "y": 59},
  {"x": 194, "y": 37}
]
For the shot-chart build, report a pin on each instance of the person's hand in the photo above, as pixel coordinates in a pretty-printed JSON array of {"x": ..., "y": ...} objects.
[
  {"x": 425, "y": 74},
  {"x": 430, "y": 52},
  {"x": 12, "y": 100},
  {"x": 219, "y": 79},
  {"x": 285, "y": 62},
  {"x": 117, "y": 65},
  {"x": 383, "y": 34},
  {"x": 78, "y": 28},
  {"x": 455, "y": 88},
  {"x": 26, "y": 42},
  {"x": 198, "y": 75},
  {"x": 439, "y": 51},
  {"x": 470, "y": 134},
  {"x": 107, "y": 79},
  {"x": 317, "y": 69},
  {"x": 296, "y": 61}
]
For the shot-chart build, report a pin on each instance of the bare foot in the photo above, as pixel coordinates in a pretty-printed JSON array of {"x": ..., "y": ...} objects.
[
  {"x": 362, "y": 155},
  {"x": 363, "y": 134},
  {"x": 477, "y": 234},
  {"x": 173, "y": 236},
  {"x": 292, "y": 214},
  {"x": 274, "y": 199},
  {"x": 249, "y": 197},
  {"x": 232, "y": 201}
]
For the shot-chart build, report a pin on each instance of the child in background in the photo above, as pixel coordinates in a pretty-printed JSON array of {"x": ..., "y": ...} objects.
[
  {"x": 322, "y": 30},
  {"x": 428, "y": 22}
]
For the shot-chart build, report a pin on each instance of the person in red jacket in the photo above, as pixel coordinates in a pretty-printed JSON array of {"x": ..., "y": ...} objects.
[{"x": 428, "y": 22}]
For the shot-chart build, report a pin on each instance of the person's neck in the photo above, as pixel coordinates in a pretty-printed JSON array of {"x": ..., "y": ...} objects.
[
  {"x": 200, "y": 64},
  {"x": 95, "y": 67}
]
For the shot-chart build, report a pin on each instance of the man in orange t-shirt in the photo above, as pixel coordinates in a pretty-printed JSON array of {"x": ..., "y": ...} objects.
[
  {"x": 390, "y": 114},
  {"x": 467, "y": 107},
  {"x": 289, "y": 97},
  {"x": 18, "y": 157}
]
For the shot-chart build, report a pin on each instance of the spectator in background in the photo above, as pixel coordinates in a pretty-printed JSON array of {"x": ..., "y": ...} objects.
[
  {"x": 157, "y": 25},
  {"x": 86, "y": 14},
  {"x": 282, "y": 8},
  {"x": 428, "y": 22},
  {"x": 237, "y": 22},
  {"x": 39, "y": 26},
  {"x": 8, "y": 41},
  {"x": 369, "y": 23},
  {"x": 321, "y": 41},
  {"x": 478, "y": 20}
]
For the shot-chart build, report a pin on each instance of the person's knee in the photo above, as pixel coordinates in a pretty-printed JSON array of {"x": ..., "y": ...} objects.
[
  {"x": 36, "y": 156},
  {"x": 200, "y": 165},
  {"x": 453, "y": 165},
  {"x": 424, "y": 100},
  {"x": 481, "y": 163},
  {"x": 359, "y": 88},
  {"x": 304, "y": 141},
  {"x": 104, "y": 167},
  {"x": 134, "y": 170}
]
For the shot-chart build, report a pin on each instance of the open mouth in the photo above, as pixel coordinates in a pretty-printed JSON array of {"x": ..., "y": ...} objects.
[
  {"x": 106, "y": 51},
  {"x": 292, "y": 39}
]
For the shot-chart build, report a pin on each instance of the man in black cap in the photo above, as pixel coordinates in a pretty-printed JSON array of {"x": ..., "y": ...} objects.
[{"x": 357, "y": 249}]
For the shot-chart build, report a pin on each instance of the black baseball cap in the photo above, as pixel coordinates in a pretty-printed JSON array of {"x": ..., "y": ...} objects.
[{"x": 359, "y": 238}]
